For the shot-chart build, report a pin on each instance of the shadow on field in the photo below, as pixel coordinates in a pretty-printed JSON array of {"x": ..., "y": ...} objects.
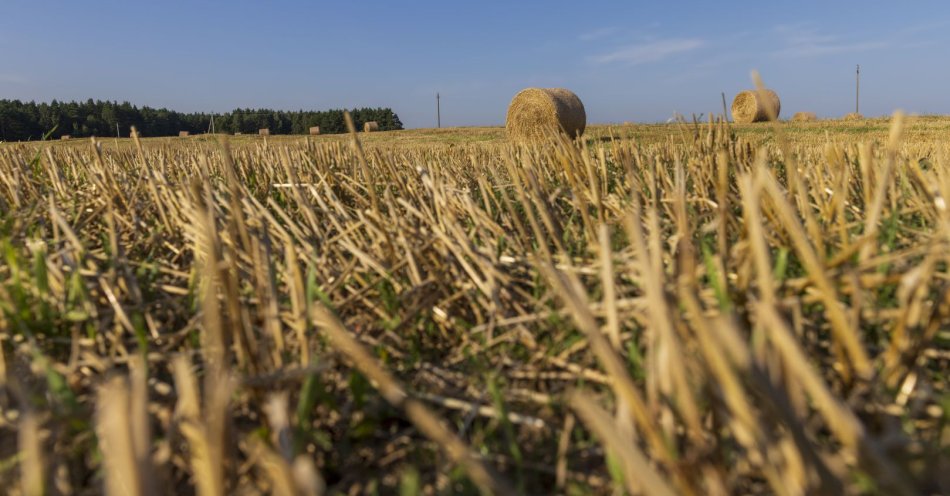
[{"x": 603, "y": 139}]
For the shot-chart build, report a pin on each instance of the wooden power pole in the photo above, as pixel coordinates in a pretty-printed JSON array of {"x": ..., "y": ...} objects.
[
  {"x": 725, "y": 111},
  {"x": 438, "y": 111},
  {"x": 857, "y": 89}
]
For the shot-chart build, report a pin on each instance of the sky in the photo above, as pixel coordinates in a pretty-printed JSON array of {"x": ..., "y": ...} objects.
[{"x": 628, "y": 61}]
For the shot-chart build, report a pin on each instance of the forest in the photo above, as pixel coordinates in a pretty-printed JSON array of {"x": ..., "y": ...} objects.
[{"x": 25, "y": 121}]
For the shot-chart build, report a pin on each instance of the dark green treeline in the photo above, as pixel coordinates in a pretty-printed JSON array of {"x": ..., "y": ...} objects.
[{"x": 21, "y": 121}]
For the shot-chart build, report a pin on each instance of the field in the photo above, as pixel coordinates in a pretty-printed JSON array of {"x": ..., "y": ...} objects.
[
  {"x": 920, "y": 130},
  {"x": 685, "y": 308}
]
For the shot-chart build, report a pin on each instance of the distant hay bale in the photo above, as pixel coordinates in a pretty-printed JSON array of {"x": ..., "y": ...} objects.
[
  {"x": 853, "y": 116},
  {"x": 183, "y": 134},
  {"x": 264, "y": 132},
  {"x": 238, "y": 133},
  {"x": 535, "y": 112},
  {"x": 65, "y": 137},
  {"x": 370, "y": 126},
  {"x": 804, "y": 117},
  {"x": 314, "y": 130},
  {"x": 748, "y": 106}
]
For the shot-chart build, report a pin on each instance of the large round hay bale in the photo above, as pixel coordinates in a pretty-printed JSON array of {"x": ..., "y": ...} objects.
[
  {"x": 853, "y": 116},
  {"x": 748, "y": 106},
  {"x": 183, "y": 134},
  {"x": 370, "y": 126},
  {"x": 314, "y": 130},
  {"x": 535, "y": 112},
  {"x": 264, "y": 132},
  {"x": 805, "y": 117}
]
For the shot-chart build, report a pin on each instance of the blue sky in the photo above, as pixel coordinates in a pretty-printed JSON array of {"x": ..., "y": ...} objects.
[{"x": 628, "y": 61}]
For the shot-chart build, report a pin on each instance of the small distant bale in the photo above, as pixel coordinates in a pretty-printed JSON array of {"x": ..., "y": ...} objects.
[
  {"x": 535, "y": 112},
  {"x": 748, "y": 106},
  {"x": 371, "y": 126},
  {"x": 853, "y": 116},
  {"x": 805, "y": 117},
  {"x": 66, "y": 137},
  {"x": 183, "y": 134},
  {"x": 264, "y": 132},
  {"x": 315, "y": 130},
  {"x": 238, "y": 133}
]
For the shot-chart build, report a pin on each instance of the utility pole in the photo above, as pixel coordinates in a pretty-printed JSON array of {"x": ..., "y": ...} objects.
[
  {"x": 117, "y": 135},
  {"x": 857, "y": 88},
  {"x": 438, "y": 111},
  {"x": 725, "y": 112}
]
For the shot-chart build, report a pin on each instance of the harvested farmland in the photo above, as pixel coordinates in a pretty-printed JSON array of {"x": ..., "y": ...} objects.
[{"x": 308, "y": 316}]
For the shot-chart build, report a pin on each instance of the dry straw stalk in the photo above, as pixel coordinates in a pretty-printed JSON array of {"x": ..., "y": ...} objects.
[{"x": 535, "y": 113}]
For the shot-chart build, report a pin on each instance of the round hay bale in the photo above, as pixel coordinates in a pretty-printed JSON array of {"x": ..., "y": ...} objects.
[
  {"x": 183, "y": 134},
  {"x": 805, "y": 117},
  {"x": 314, "y": 130},
  {"x": 534, "y": 112},
  {"x": 853, "y": 116},
  {"x": 264, "y": 132},
  {"x": 747, "y": 106},
  {"x": 370, "y": 126}
]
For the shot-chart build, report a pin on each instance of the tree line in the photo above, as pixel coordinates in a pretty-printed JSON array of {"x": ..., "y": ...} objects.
[{"x": 22, "y": 121}]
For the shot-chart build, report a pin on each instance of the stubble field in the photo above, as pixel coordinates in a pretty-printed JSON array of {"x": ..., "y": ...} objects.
[{"x": 687, "y": 308}]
